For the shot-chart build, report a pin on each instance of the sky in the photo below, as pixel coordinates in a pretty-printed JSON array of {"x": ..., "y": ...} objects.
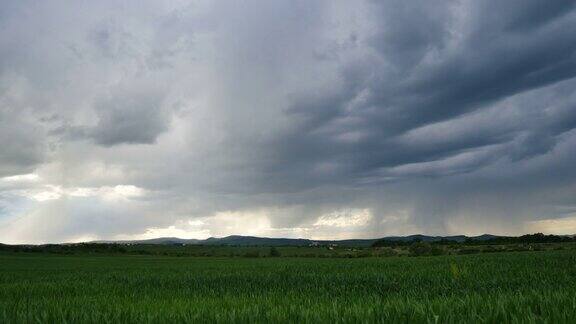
[{"x": 318, "y": 119}]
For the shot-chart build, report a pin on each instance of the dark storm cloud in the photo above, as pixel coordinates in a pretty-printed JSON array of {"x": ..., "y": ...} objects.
[{"x": 432, "y": 65}]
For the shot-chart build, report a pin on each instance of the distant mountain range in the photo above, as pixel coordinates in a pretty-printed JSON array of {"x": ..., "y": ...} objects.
[{"x": 238, "y": 240}]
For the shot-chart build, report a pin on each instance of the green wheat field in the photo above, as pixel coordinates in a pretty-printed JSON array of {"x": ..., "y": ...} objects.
[{"x": 526, "y": 287}]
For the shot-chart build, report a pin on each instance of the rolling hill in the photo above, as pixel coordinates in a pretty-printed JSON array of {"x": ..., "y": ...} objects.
[{"x": 239, "y": 240}]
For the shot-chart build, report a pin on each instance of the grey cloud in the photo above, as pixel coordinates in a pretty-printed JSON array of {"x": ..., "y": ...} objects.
[
  {"x": 129, "y": 117},
  {"x": 521, "y": 16},
  {"x": 408, "y": 31},
  {"x": 446, "y": 72},
  {"x": 22, "y": 145},
  {"x": 434, "y": 116}
]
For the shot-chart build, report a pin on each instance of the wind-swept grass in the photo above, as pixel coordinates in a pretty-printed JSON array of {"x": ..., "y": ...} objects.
[{"x": 503, "y": 287}]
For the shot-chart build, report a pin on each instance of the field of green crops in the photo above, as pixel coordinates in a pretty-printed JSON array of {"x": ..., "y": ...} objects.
[{"x": 503, "y": 287}]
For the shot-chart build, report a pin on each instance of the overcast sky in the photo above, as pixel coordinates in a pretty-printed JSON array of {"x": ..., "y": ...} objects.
[{"x": 318, "y": 119}]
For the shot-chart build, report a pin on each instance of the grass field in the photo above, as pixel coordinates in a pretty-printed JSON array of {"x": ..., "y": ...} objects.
[{"x": 497, "y": 287}]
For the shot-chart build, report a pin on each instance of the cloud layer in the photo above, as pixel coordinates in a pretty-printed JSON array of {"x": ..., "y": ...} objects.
[{"x": 325, "y": 119}]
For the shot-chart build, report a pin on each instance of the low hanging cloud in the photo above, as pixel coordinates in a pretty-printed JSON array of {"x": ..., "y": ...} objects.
[{"x": 329, "y": 119}]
